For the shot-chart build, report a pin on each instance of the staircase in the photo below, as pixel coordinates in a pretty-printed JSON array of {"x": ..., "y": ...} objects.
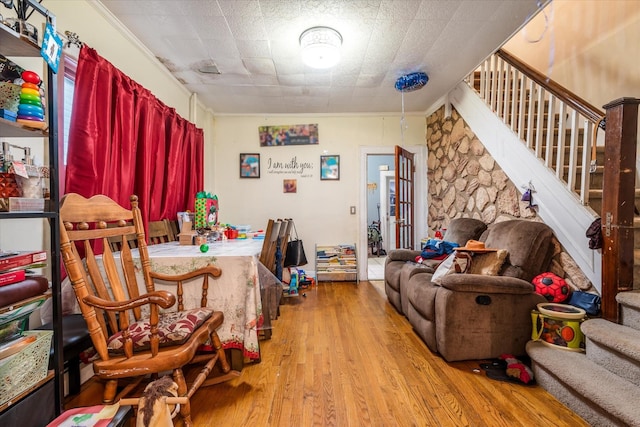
[{"x": 603, "y": 384}]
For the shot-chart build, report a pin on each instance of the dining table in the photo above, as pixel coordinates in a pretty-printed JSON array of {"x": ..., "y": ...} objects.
[{"x": 236, "y": 292}]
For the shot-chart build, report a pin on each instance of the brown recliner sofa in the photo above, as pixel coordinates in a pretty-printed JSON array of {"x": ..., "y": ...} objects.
[
  {"x": 473, "y": 316},
  {"x": 400, "y": 265}
]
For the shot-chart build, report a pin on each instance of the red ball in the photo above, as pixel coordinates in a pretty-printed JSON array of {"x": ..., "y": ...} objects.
[{"x": 552, "y": 287}]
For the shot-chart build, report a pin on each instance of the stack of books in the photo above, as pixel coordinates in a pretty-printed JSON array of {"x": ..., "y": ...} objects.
[
  {"x": 17, "y": 281},
  {"x": 19, "y": 289}
]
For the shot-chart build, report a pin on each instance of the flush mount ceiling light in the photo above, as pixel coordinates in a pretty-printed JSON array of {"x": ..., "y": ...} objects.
[{"x": 320, "y": 47}]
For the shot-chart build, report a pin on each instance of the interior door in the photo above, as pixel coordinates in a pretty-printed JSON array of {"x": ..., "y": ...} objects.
[
  {"x": 388, "y": 209},
  {"x": 405, "y": 170}
]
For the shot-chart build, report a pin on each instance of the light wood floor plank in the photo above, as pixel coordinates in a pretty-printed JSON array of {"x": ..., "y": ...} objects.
[{"x": 342, "y": 356}]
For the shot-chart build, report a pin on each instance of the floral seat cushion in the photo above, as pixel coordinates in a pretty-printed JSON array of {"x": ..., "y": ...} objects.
[{"x": 173, "y": 329}]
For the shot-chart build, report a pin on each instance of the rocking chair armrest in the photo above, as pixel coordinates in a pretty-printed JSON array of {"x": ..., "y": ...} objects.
[
  {"x": 163, "y": 299},
  {"x": 208, "y": 269}
]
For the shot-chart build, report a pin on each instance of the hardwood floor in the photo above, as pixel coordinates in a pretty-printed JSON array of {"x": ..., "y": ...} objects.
[{"x": 342, "y": 356}]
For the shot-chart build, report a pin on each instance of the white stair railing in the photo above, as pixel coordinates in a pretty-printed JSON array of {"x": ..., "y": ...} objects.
[{"x": 553, "y": 123}]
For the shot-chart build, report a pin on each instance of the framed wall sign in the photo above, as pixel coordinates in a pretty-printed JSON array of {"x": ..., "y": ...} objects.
[
  {"x": 329, "y": 168},
  {"x": 249, "y": 165},
  {"x": 273, "y": 136}
]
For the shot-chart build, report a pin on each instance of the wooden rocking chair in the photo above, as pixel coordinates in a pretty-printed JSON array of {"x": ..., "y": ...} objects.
[{"x": 132, "y": 335}]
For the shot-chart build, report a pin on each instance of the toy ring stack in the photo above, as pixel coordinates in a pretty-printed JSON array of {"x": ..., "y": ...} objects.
[{"x": 30, "y": 109}]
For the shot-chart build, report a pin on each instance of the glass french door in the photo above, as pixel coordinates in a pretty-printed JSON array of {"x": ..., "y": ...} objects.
[{"x": 404, "y": 189}]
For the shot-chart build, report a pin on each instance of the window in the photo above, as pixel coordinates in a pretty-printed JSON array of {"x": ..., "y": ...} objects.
[
  {"x": 70, "y": 65},
  {"x": 68, "y": 106}
]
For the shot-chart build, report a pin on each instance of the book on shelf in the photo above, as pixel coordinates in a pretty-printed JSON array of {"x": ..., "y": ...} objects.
[
  {"x": 22, "y": 260},
  {"x": 11, "y": 277}
]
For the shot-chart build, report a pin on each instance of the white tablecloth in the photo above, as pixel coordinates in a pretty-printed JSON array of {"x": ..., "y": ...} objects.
[{"x": 236, "y": 292}]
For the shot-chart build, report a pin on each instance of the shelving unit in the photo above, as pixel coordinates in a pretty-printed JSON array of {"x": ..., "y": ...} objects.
[
  {"x": 42, "y": 401},
  {"x": 336, "y": 263}
]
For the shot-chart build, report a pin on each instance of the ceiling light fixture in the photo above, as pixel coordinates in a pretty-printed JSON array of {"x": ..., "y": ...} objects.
[{"x": 320, "y": 47}]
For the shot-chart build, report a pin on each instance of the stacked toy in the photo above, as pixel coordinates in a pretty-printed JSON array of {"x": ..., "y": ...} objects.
[{"x": 31, "y": 109}]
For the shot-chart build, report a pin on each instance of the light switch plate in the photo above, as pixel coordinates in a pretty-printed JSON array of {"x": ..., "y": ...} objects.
[{"x": 352, "y": 210}]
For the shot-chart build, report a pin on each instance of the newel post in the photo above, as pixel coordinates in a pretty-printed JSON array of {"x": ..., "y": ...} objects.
[{"x": 618, "y": 202}]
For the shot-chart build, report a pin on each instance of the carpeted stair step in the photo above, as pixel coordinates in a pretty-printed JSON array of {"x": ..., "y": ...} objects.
[
  {"x": 630, "y": 308},
  {"x": 614, "y": 347},
  {"x": 596, "y": 394}
]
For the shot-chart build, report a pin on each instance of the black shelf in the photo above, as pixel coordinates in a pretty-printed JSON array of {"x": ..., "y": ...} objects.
[
  {"x": 26, "y": 215},
  {"x": 45, "y": 398},
  {"x": 14, "y": 44},
  {"x": 9, "y": 129}
]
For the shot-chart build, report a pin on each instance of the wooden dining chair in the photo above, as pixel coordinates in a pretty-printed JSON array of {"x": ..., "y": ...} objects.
[
  {"x": 285, "y": 235},
  {"x": 172, "y": 224},
  {"x": 268, "y": 252},
  {"x": 159, "y": 232},
  {"x": 131, "y": 328},
  {"x": 115, "y": 242}
]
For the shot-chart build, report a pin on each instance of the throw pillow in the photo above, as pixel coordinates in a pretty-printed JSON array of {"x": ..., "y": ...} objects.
[
  {"x": 174, "y": 328},
  {"x": 457, "y": 262},
  {"x": 488, "y": 263}
]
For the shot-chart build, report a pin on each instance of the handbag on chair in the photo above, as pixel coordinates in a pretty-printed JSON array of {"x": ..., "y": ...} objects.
[{"x": 295, "y": 255}]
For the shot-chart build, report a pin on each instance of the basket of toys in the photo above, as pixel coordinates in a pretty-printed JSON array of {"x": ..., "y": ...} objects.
[{"x": 558, "y": 325}]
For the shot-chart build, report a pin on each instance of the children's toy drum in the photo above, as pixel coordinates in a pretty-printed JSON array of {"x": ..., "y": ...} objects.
[{"x": 558, "y": 325}]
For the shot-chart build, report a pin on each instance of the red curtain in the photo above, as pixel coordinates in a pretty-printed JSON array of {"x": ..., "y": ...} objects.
[{"x": 124, "y": 141}]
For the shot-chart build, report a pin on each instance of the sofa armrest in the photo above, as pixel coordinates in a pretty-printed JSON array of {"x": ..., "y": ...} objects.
[
  {"x": 480, "y": 283},
  {"x": 402, "y": 255}
]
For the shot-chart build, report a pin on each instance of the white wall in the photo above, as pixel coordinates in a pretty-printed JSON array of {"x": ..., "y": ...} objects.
[{"x": 320, "y": 208}]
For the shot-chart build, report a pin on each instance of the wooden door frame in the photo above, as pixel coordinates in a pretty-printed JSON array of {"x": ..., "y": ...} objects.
[{"x": 420, "y": 229}]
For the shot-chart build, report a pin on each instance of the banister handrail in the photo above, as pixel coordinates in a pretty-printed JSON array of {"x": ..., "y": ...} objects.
[{"x": 571, "y": 99}]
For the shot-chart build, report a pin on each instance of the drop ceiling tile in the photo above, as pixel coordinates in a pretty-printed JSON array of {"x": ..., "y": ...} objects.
[
  {"x": 476, "y": 10},
  {"x": 238, "y": 8},
  {"x": 247, "y": 27},
  {"x": 285, "y": 50},
  {"x": 317, "y": 79},
  {"x": 267, "y": 90},
  {"x": 144, "y": 7},
  {"x": 438, "y": 10},
  {"x": 344, "y": 80},
  {"x": 284, "y": 68},
  {"x": 191, "y": 49},
  {"x": 280, "y": 8},
  {"x": 212, "y": 27},
  {"x": 260, "y": 66},
  {"x": 231, "y": 66},
  {"x": 320, "y": 9},
  {"x": 293, "y": 90},
  {"x": 397, "y": 10},
  {"x": 167, "y": 25},
  {"x": 360, "y": 9},
  {"x": 291, "y": 80},
  {"x": 370, "y": 80},
  {"x": 254, "y": 48},
  {"x": 218, "y": 50}
]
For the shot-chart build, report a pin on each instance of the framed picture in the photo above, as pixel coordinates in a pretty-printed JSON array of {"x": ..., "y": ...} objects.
[
  {"x": 329, "y": 168},
  {"x": 290, "y": 186},
  {"x": 273, "y": 136},
  {"x": 249, "y": 165}
]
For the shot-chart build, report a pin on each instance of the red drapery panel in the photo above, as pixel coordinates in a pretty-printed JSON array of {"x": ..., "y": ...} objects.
[{"x": 124, "y": 141}]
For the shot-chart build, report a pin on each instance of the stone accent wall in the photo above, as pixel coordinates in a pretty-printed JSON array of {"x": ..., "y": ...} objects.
[{"x": 465, "y": 181}]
